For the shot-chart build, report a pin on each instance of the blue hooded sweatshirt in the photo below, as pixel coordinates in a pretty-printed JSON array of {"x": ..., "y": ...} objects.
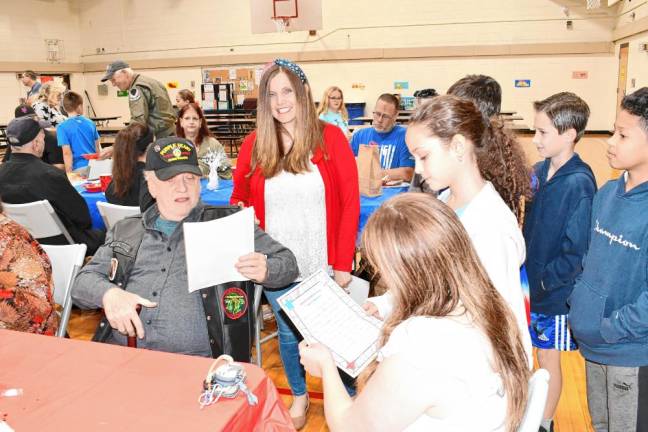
[
  {"x": 609, "y": 303},
  {"x": 556, "y": 231}
]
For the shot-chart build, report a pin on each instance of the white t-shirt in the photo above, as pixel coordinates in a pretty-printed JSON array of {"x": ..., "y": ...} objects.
[
  {"x": 456, "y": 358},
  {"x": 498, "y": 241},
  {"x": 496, "y": 236},
  {"x": 295, "y": 216}
]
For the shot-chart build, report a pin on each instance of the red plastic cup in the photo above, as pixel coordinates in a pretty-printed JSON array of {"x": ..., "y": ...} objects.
[{"x": 105, "y": 181}]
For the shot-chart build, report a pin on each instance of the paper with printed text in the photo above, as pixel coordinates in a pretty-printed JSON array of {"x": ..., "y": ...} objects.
[{"x": 324, "y": 313}]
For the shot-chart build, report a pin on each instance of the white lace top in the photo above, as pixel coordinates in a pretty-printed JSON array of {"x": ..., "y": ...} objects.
[
  {"x": 456, "y": 356},
  {"x": 295, "y": 216}
]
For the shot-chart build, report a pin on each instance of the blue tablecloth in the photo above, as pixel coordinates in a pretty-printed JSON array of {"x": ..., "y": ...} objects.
[{"x": 222, "y": 195}]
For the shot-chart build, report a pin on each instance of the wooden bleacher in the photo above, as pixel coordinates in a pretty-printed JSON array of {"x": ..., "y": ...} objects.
[{"x": 229, "y": 127}]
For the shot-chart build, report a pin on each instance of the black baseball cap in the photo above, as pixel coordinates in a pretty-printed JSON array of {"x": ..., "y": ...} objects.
[
  {"x": 23, "y": 110},
  {"x": 426, "y": 93},
  {"x": 170, "y": 156},
  {"x": 114, "y": 67},
  {"x": 23, "y": 130}
]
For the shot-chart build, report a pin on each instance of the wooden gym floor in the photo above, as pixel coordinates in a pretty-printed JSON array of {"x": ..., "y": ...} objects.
[{"x": 572, "y": 414}]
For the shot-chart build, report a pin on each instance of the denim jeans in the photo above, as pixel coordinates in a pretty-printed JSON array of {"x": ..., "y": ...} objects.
[{"x": 289, "y": 339}]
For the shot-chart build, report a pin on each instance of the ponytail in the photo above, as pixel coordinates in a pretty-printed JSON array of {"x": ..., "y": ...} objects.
[{"x": 501, "y": 161}]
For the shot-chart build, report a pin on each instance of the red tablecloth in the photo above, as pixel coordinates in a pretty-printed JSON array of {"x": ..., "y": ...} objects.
[{"x": 86, "y": 386}]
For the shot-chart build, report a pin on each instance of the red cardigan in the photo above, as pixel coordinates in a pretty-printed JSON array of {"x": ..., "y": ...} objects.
[{"x": 340, "y": 176}]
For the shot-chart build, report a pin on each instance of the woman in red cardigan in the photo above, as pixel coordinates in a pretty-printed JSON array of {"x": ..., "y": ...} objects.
[{"x": 300, "y": 176}]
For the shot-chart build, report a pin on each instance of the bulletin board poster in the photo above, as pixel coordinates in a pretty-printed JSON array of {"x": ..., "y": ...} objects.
[
  {"x": 401, "y": 85},
  {"x": 244, "y": 79}
]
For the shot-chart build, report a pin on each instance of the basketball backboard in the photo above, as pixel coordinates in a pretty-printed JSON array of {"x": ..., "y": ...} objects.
[{"x": 270, "y": 16}]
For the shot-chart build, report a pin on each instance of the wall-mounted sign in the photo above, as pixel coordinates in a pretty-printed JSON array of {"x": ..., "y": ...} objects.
[
  {"x": 401, "y": 85},
  {"x": 580, "y": 75},
  {"x": 522, "y": 83}
]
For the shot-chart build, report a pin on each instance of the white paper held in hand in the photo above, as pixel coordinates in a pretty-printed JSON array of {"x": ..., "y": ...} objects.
[
  {"x": 213, "y": 247},
  {"x": 324, "y": 313}
]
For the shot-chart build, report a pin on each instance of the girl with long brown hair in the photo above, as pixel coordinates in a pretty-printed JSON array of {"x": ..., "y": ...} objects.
[
  {"x": 128, "y": 184},
  {"x": 451, "y": 141},
  {"x": 192, "y": 125},
  {"x": 300, "y": 176},
  {"x": 451, "y": 356},
  {"x": 332, "y": 110}
]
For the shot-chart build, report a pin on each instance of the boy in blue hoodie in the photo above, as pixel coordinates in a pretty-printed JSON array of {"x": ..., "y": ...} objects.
[
  {"x": 609, "y": 304},
  {"x": 556, "y": 231}
]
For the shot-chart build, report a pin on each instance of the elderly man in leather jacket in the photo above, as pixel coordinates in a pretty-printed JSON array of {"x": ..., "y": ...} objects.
[{"x": 143, "y": 264}]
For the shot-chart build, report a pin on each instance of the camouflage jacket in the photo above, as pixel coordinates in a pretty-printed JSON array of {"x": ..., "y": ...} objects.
[{"x": 150, "y": 104}]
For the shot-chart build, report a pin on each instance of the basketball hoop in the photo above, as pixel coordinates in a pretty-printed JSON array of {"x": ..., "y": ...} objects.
[
  {"x": 281, "y": 24},
  {"x": 282, "y": 12}
]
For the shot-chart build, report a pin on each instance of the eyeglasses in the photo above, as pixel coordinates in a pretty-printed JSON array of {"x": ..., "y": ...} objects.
[
  {"x": 335, "y": 98},
  {"x": 379, "y": 116}
]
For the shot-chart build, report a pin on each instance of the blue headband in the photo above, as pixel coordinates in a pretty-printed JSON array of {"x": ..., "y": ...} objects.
[{"x": 292, "y": 67}]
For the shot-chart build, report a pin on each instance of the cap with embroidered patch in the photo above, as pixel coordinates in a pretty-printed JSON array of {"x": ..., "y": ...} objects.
[
  {"x": 23, "y": 110},
  {"x": 171, "y": 156},
  {"x": 23, "y": 130},
  {"x": 114, "y": 67}
]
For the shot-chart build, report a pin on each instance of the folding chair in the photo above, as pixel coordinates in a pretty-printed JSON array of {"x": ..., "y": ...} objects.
[
  {"x": 39, "y": 218},
  {"x": 66, "y": 262},
  {"x": 98, "y": 168},
  {"x": 258, "y": 324},
  {"x": 538, "y": 388},
  {"x": 113, "y": 213}
]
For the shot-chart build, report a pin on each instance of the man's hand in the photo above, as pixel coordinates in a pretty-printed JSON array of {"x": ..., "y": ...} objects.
[
  {"x": 253, "y": 266},
  {"x": 106, "y": 153},
  {"x": 371, "y": 309},
  {"x": 120, "y": 308}
]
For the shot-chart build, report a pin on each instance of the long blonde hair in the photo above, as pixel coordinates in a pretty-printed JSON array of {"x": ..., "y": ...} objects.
[
  {"x": 48, "y": 90},
  {"x": 268, "y": 152},
  {"x": 324, "y": 104},
  {"x": 424, "y": 255}
]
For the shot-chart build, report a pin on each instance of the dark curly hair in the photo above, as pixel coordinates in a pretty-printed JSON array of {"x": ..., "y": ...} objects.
[
  {"x": 637, "y": 104},
  {"x": 500, "y": 158}
]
